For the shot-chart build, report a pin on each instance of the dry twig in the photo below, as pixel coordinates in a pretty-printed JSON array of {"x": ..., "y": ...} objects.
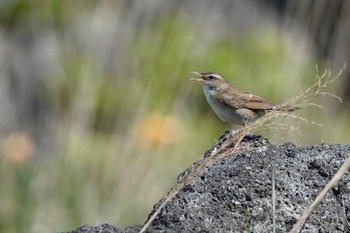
[
  {"x": 344, "y": 168},
  {"x": 235, "y": 137}
]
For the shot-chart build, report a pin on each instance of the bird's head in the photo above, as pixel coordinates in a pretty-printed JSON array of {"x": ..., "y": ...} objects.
[{"x": 209, "y": 79}]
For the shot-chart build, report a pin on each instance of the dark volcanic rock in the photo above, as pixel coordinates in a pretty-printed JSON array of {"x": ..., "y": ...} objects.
[
  {"x": 235, "y": 193},
  {"x": 105, "y": 228}
]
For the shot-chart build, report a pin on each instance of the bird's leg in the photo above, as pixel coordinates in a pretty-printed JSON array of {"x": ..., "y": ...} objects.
[{"x": 221, "y": 142}]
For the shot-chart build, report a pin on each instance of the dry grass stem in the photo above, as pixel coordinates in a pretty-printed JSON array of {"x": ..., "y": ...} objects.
[
  {"x": 346, "y": 222},
  {"x": 344, "y": 168},
  {"x": 273, "y": 201},
  {"x": 222, "y": 148}
]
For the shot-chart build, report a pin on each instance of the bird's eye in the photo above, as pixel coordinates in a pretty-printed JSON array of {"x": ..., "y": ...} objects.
[{"x": 211, "y": 77}]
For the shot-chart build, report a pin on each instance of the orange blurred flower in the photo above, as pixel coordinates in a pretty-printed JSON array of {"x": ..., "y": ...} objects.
[
  {"x": 17, "y": 148},
  {"x": 156, "y": 130}
]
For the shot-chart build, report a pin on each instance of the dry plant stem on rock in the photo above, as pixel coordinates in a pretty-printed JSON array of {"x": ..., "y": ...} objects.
[
  {"x": 222, "y": 148},
  {"x": 217, "y": 152},
  {"x": 344, "y": 168}
]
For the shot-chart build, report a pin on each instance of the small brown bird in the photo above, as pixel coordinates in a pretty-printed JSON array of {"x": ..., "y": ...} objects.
[{"x": 232, "y": 105}]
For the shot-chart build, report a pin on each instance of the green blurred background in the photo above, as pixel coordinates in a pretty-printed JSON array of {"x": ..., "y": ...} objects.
[{"x": 98, "y": 116}]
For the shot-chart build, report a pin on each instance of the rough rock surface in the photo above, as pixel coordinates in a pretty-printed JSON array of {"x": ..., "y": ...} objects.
[{"x": 235, "y": 193}]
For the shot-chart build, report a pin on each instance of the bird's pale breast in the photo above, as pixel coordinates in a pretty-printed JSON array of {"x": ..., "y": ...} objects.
[{"x": 223, "y": 111}]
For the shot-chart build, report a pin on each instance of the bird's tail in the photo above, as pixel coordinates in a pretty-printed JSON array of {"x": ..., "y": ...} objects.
[{"x": 287, "y": 108}]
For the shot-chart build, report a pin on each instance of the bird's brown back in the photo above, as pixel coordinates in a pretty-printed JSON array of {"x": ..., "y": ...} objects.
[{"x": 235, "y": 98}]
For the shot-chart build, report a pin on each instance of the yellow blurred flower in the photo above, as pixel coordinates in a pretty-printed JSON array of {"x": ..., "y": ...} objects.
[
  {"x": 17, "y": 148},
  {"x": 156, "y": 130}
]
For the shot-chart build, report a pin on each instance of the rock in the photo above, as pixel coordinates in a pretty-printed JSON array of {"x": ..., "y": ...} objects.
[
  {"x": 235, "y": 193},
  {"x": 105, "y": 228}
]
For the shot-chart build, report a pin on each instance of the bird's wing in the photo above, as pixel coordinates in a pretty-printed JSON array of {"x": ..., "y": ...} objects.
[{"x": 245, "y": 100}]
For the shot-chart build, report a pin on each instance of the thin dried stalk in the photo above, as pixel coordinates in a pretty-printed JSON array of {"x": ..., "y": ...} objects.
[
  {"x": 344, "y": 168},
  {"x": 235, "y": 137}
]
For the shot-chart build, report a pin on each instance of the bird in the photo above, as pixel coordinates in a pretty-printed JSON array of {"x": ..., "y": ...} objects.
[{"x": 232, "y": 105}]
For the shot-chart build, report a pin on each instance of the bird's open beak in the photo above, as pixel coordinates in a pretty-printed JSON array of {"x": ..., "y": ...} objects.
[{"x": 197, "y": 79}]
